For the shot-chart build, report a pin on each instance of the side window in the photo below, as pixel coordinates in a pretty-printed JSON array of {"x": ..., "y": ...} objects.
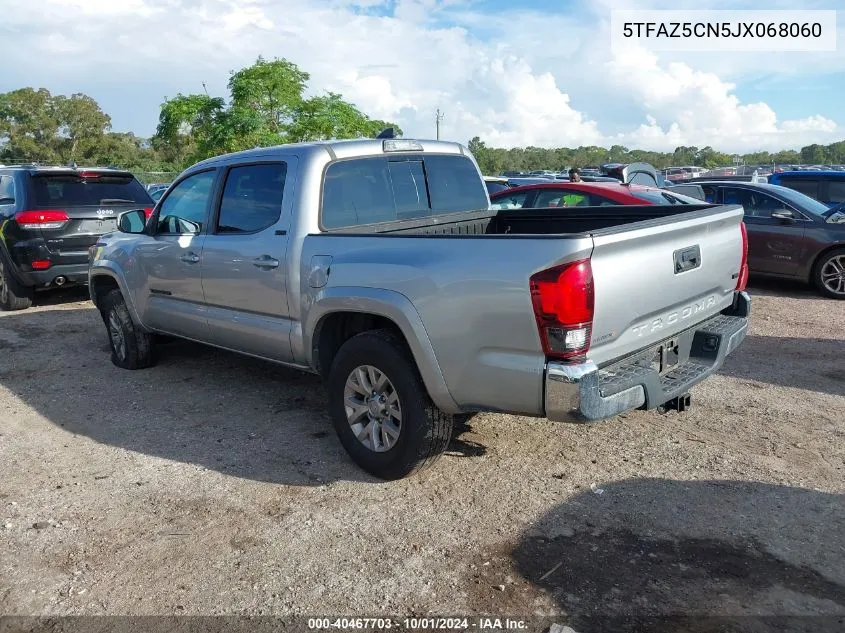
[
  {"x": 804, "y": 185},
  {"x": 736, "y": 196},
  {"x": 601, "y": 201},
  {"x": 755, "y": 204},
  {"x": 7, "y": 190},
  {"x": 511, "y": 201},
  {"x": 454, "y": 184},
  {"x": 185, "y": 210},
  {"x": 709, "y": 193},
  {"x": 252, "y": 198},
  {"x": 835, "y": 194},
  {"x": 561, "y": 198}
]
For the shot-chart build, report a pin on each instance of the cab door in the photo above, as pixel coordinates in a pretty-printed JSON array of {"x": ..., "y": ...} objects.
[
  {"x": 170, "y": 262},
  {"x": 244, "y": 276}
]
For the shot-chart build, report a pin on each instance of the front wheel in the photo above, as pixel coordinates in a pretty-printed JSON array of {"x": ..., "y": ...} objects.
[
  {"x": 829, "y": 274},
  {"x": 380, "y": 408},
  {"x": 131, "y": 347}
]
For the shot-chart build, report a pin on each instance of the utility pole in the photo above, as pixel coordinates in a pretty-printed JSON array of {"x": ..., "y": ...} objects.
[
  {"x": 204, "y": 88},
  {"x": 438, "y": 118}
]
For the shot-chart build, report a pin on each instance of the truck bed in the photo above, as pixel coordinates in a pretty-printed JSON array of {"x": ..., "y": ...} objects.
[
  {"x": 473, "y": 298},
  {"x": 545, "y": 221}
]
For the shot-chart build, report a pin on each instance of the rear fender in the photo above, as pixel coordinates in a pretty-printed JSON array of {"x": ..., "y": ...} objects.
[{"x": 391, "y": 305}]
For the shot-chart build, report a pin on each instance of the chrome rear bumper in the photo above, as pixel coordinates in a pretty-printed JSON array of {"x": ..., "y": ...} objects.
[{"x": 581, "y": 392}]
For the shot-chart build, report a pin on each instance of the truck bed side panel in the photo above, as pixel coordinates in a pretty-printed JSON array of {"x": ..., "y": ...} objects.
[{"x": 473, "y": 298}]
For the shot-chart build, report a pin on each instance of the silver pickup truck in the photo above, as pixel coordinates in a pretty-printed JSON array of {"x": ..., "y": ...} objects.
[{"x": 379, "y": 265}]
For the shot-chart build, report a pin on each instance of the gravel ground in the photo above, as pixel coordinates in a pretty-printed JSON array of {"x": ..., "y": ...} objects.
[{"x": 214, "y": 484}]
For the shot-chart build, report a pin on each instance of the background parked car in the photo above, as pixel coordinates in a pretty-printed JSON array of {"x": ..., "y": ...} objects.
[
  {"x": 790, "y": 235},
  {"x": 584, "y": 194},
  {"x": 827, "y": 186},
  {"x": 494, "y": 184},
  {"x": 49, "y": 216}
]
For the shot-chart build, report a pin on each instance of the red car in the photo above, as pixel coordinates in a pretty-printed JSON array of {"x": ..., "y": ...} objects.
[{"x": 584, "y": 194}]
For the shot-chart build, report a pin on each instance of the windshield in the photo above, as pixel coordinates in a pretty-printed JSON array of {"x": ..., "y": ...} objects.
[
  {"x": 656, "y": 196},
  {"x": 803, "y": 202},
  {"x": 54, "y": 191}
]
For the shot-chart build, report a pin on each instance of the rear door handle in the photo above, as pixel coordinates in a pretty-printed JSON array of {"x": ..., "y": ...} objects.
[
  {"x": 190, "y": 258},
  {"x": 266, "y": 262}
]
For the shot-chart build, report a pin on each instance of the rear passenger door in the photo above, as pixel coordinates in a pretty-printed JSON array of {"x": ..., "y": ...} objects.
[
  {"x": 775, "y": 246},
  {"x": 244, "y": 276}
]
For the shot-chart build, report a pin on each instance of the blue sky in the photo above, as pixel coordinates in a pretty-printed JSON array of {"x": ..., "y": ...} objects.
[{"x": 514, "y": 72}]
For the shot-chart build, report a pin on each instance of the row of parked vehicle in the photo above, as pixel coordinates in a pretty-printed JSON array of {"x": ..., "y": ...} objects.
[
  {"x": 792, "y": 233},
  {"x": 382, "y": 266}
]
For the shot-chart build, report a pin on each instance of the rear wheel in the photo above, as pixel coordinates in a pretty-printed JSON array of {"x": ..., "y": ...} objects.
[
  {"x": 131, "y": 347},
  {"x": 380, "y": 408},
  {"x": 13, "y": 296},
  {"x": 829, "y": 274}
]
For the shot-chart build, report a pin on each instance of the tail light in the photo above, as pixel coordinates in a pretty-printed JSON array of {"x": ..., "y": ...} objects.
[
  {"x": 40, "y": 264},
  {"x": 148, "y": 212},
  {"x": 563, "y": 300},
  {"x": 51, "y": 219},
  {"x": 743, "y": 268}
]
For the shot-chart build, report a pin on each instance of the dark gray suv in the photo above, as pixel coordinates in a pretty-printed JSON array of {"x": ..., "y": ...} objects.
[{"x": 49, "y": 217}]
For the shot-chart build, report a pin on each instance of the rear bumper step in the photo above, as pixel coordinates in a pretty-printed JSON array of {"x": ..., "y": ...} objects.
[{"x": 582, "y": 392}]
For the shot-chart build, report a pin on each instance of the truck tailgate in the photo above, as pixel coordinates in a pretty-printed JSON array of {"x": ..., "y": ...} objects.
[{"x": 656, "y": 278}]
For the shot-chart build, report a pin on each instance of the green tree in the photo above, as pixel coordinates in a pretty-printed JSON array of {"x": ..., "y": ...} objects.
[
  {"x": 814, "y": 154},
  {"x": 29, "y": 126},
  {"x": 80, "y": 120},
  {"x": 266, "y": 107}
]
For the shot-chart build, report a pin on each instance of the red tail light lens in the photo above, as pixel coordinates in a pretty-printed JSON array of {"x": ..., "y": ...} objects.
[
  {"x": 148, "y": 212},
  {"x": 40, "y": 264},
  {"x": 563, "y": 300},
  {"x": 52, "y": 219},
  {"x": 742, "y": 281}
]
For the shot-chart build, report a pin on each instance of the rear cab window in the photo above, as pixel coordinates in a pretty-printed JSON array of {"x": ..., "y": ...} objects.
[
  {"x": 55, "y": 191},
  {"x": 365, "y": 191}
]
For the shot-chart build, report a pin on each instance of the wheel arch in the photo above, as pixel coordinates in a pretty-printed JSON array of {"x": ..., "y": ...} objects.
[{"x": 337, "y": 314}]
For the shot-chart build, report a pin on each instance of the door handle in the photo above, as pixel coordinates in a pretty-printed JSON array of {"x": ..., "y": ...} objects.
[
  {"x": 190, "y": 258},
  {"x": 266, "y": 262}
]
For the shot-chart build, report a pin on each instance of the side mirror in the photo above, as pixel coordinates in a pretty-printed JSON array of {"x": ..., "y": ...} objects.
[
  {"x": 132, "y": 221},
  {"x": 783, "y": 214}
]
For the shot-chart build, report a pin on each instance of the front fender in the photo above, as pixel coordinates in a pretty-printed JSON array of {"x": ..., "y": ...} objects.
[
  {"x": 105, "y": 268},
  {"x": 391, "y": 305}
]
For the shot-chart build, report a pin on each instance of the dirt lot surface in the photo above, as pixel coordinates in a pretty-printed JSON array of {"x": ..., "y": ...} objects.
[{"x": 214, "y": 484}]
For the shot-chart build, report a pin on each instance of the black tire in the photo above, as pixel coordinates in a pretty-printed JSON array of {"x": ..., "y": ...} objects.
[
  {"x": 131, "y": 347},
  {"x": 13, "y": 296},
  {"x": 826, "y": 261},
  {"x": 425, "y": 430}
]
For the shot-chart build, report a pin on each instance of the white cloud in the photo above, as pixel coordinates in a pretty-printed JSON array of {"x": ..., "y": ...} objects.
[
  {"x": 517, "y": 78},
  {"x": 701, "y": 109}
]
